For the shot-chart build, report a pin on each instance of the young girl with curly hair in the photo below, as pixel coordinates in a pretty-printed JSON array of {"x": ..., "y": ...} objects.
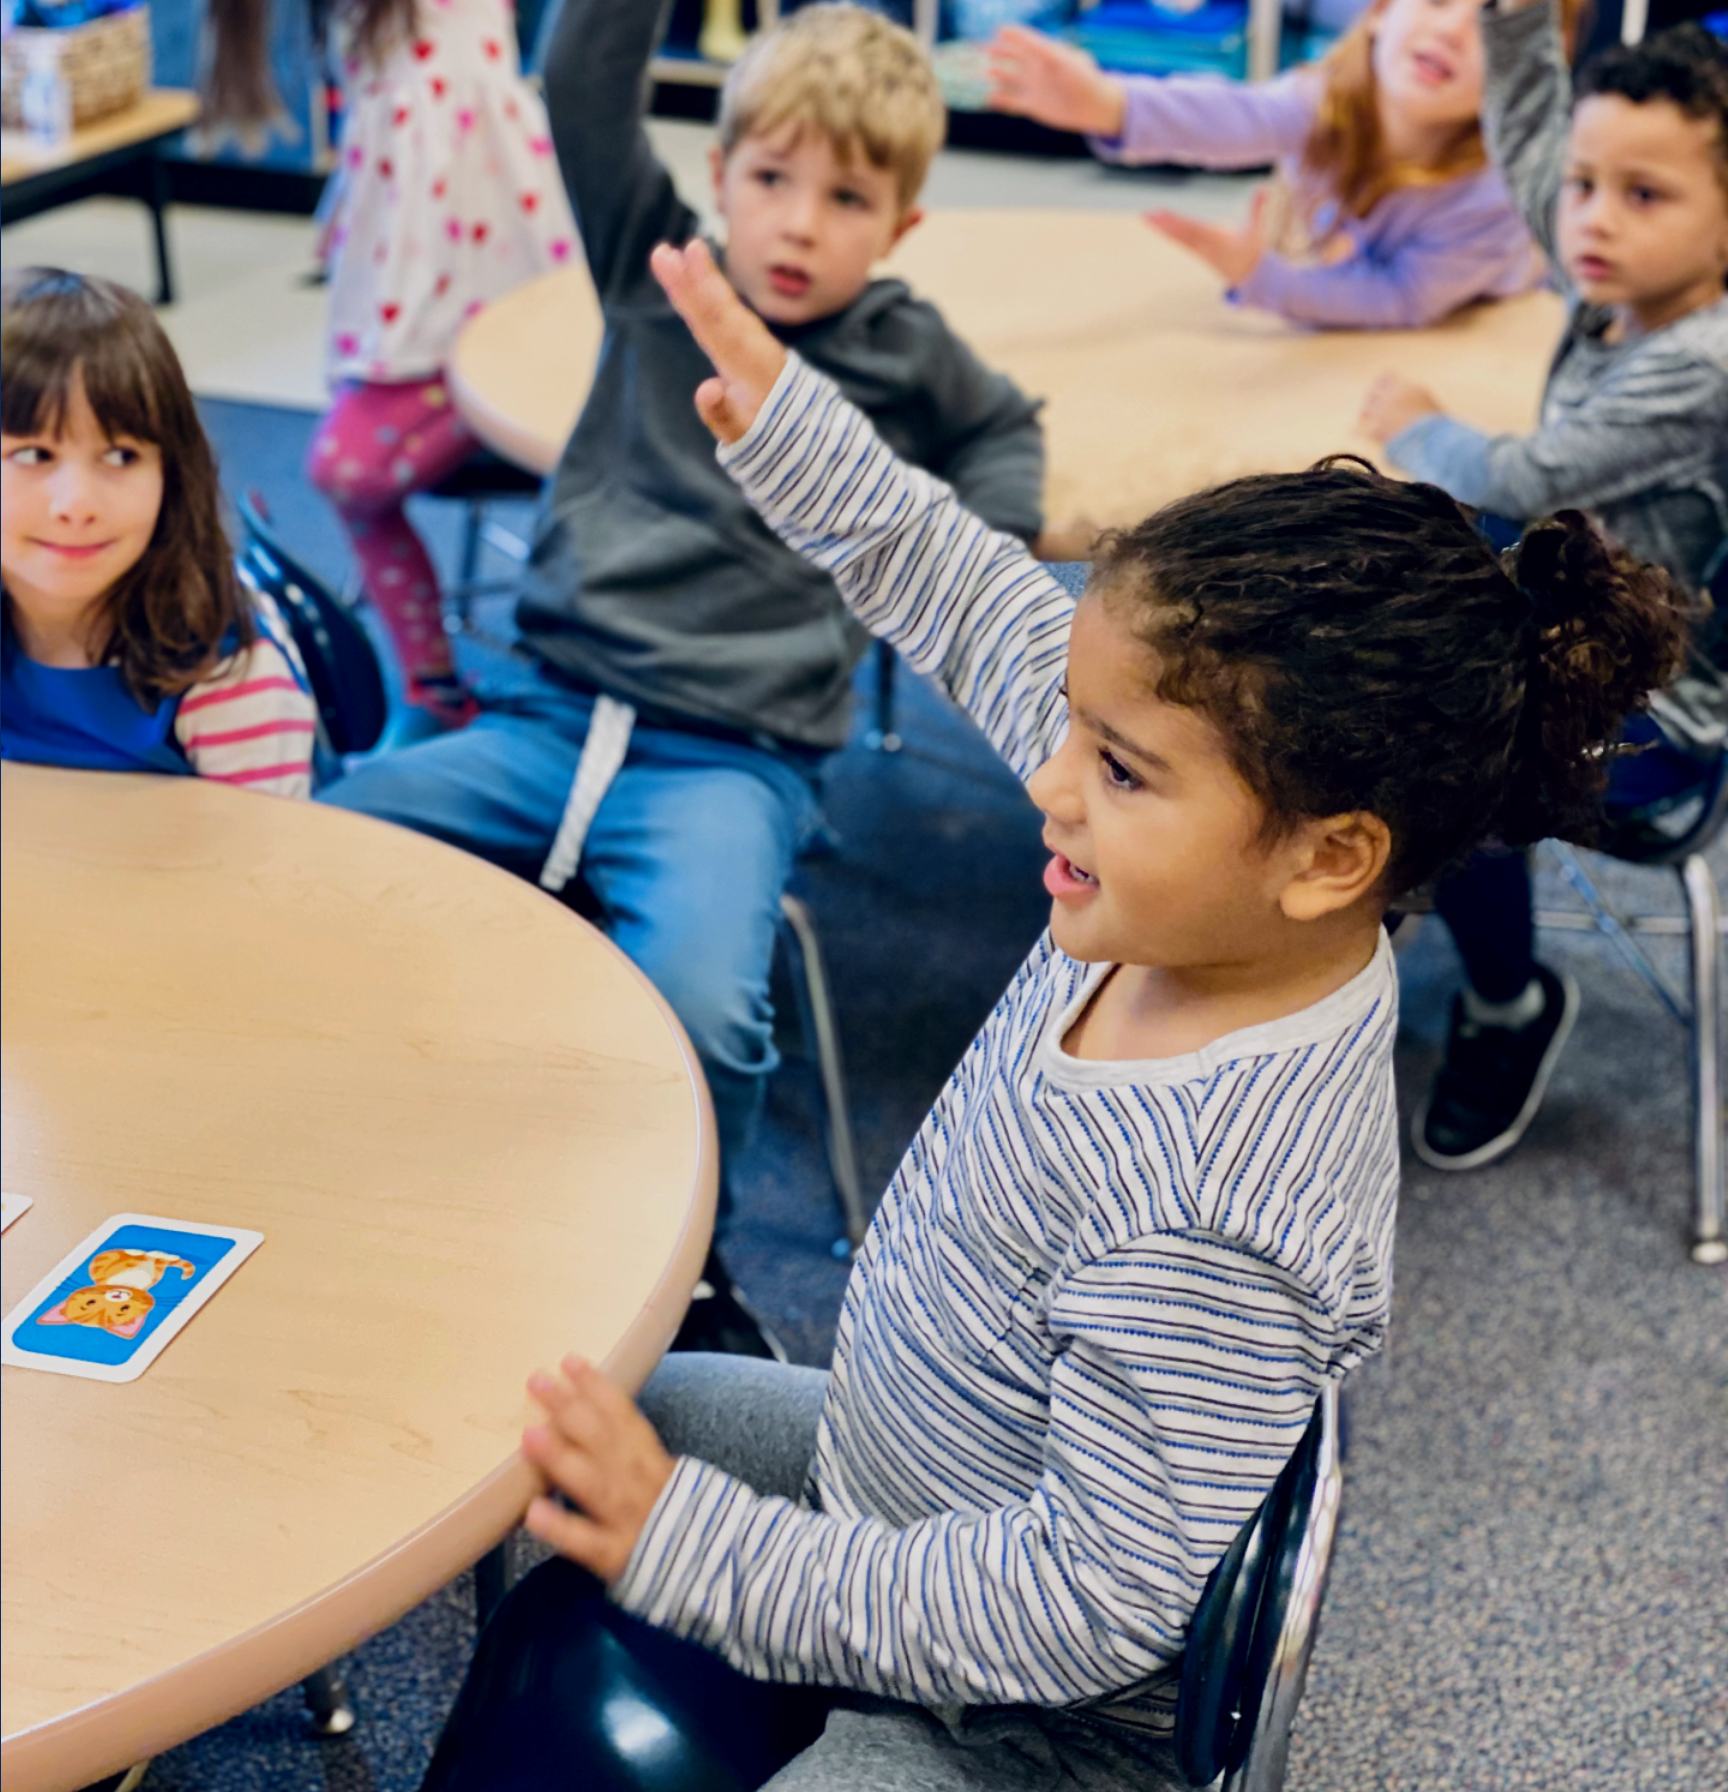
[
  {"x": 127, "y": 642},
  {"x": 1394, "y": 216},
  {"x": 1151, "y": 1215}
]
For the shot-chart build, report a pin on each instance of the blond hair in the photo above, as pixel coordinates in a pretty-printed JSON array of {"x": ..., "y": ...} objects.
[
  {"x": 848, "y": 72},
  {"x": 1344, "y": 156}
]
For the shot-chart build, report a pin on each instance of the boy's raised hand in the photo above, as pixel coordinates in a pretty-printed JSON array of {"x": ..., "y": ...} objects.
[
  {"x": 747, "y": 360},
  {"x": 596, "y": 1449}
]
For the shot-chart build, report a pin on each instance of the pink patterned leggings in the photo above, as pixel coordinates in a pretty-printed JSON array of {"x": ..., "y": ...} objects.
[{"x": 376, "y": 445}]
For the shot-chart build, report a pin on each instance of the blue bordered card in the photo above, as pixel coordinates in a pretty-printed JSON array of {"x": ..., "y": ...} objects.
[{"x": 110, "y": 1308}]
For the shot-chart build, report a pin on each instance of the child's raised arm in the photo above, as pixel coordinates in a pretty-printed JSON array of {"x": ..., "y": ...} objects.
[
  {"x": 1526, "y": 108},
  {"x": 961, "y": 602}
]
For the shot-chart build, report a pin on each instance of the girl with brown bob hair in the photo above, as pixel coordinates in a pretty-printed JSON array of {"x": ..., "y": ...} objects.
[
  {"x": 127, "y": 641},
  {"x": 1386, "y": 213}
]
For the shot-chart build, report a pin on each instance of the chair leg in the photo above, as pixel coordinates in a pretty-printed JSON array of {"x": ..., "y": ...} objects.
[
  {"x": 491, "y": 1582},
  {"x": 880, "y": 736},
  {"x": 820, "y": 1028},
  {"x": 1708, "y": 1243},
  {"x": 329, "y": 1702},
  {"x": 461, "y": 600}
]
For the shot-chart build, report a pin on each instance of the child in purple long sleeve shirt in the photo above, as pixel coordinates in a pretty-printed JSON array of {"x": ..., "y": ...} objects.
[{"x": 1399, "y": 216}]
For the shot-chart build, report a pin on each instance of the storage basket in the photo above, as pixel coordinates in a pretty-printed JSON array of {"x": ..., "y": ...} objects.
[{"x": 106, "y": 64}]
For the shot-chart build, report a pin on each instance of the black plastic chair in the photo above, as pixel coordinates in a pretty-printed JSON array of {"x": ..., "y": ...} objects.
[
  {"x": 562, "y": 1675},
  {"x": 335, "y": 650},
  {"x": 1253, "y": 1631}
]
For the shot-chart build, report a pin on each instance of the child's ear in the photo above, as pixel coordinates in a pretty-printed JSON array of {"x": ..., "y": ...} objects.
[
  {"x": 1339, "y": 860},
  {"x": 717, "y": 170},
  {"x": 913, "y": 217}
]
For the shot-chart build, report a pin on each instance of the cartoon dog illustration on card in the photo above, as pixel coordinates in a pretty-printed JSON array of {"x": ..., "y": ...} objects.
[{"x": 119, "y": 1298}]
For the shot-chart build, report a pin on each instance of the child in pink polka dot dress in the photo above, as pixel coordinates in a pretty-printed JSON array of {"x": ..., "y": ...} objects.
[{"x": 450, "y": 196}]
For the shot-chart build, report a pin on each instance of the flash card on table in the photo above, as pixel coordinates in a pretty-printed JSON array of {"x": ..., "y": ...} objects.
[
  {"x": 11, "y": 1206},
  {"x": 108, "y": 1310}
]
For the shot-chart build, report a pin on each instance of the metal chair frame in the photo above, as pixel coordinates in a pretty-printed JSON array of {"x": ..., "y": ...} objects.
[
  {"x": 822, "y": 1040},
  {"x": 1699, "y": 1009},
  {"x": 477, "y": 483}
]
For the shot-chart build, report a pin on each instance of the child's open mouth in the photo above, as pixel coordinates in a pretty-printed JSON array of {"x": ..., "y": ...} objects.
[
  {"x": 1066, "y": 881},
  {"x": 790, "y": 283},
  {"x": 1431, "y": 70}
]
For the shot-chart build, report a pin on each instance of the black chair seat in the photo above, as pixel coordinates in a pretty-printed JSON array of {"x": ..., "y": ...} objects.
[{"x": 487, "y": 475}]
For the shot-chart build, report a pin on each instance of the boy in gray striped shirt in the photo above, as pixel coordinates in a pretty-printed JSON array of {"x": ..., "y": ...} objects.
[
  {"x": 1151, "y": 1214},
  {"x": 1627, "y": 190}
]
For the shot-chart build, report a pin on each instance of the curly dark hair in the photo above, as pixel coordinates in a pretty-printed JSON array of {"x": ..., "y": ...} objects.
[
  {"x": 172, "y": 618},
  {"x": 1361, "y": 647},
  {"x": 1685, "y": 65}
]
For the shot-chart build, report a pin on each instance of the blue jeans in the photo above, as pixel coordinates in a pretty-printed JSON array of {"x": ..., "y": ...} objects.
[{"x": 687, "y": 855}]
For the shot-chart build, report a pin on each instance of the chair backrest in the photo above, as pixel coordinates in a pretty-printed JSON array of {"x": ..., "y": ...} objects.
[
  {"x": 1712, "y": 813},
  {"x": 341, "y": 666},
  {"x": 1248, "y": 1645}
]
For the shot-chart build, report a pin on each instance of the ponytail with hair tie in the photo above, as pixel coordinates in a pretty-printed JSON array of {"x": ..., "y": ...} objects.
[{"x": 1604, "y": 631}]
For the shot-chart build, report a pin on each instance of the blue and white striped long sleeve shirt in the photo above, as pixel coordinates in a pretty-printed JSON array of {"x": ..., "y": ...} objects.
[{"x": 1098, "y": 1300}]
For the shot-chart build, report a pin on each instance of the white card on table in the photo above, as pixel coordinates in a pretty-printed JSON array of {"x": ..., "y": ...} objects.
[
  {"x": 108, "y": 1310},
  {"x": 11, "y": 1206}
]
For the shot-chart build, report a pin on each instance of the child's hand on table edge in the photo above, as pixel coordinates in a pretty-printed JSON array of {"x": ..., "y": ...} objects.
[
  {"x": 598, "y": 1450},
  {"x": 1392, "y": 405},
  {"x": 747, "y": 360},
  {"x": 1233, "y": 254}
]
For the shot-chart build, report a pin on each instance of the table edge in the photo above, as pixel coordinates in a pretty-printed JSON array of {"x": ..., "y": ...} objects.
[
  {"x": 25, "y": 172},
  {"x": 495, "y": 428},
  {"x": 83, "y": 1745}
]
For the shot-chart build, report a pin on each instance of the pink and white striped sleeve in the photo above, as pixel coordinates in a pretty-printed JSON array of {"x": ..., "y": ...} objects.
[{"x": 251, "y": 723}]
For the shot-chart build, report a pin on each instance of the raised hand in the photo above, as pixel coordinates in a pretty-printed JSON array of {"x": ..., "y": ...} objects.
[
  {"x": 1234, "y": 254},
  {"x": 1053, "y": 82},
  {"x": 599, "y": 1451},
  {"x": 1392, "y": 405},
  {"x": 747, "y": 360}
]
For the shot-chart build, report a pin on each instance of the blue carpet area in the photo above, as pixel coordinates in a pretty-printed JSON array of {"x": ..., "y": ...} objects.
[{"x": 1528, "y": 1590}]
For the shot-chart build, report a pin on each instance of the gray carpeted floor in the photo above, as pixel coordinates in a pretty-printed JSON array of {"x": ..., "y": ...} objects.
[{"x": 1530, "y": 1588}]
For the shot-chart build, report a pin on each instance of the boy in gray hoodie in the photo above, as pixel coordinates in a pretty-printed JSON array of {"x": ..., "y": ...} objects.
[
  {"x": 688, "y": 672},
  {"x": 1625, "y": 183}
]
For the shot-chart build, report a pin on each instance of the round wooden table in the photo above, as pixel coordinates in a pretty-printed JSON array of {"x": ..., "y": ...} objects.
[
  {"x": 474, "y": 1138},
  {"x": 1154, "y": 386}
]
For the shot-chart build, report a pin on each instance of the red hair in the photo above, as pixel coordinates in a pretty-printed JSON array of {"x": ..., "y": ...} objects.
[{"x": 1344, "y": 155}]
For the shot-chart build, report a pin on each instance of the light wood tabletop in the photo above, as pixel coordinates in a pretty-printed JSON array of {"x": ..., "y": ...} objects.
[
  {"x": 159, "y": 113},
  {"x": 473, "y": 1137},
  {"x": 1154, "y": 385}
]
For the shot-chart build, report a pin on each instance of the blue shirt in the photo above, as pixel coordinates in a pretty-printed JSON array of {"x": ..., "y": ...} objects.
[{"x": 83, "y": 717}]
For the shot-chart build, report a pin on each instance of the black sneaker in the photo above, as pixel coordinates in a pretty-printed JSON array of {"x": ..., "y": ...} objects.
[
  {"x": 720, "y": 1320},
  {"x": 1492, "y": 1081}
]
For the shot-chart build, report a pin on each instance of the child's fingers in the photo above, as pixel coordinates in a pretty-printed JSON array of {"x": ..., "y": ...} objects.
[
  {"x": 730, "y": 336},
  {"x": 572, "y": 1409},
  {"x": 1189, "y": 232},
  {"x": 715, "y": 410},
  {"x": 572, "y": 1535},
  {"x": 569, "y": 1468}
]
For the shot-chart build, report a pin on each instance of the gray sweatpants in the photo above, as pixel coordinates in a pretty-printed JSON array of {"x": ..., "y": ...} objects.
[{"x": 757, "y": 1420}]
